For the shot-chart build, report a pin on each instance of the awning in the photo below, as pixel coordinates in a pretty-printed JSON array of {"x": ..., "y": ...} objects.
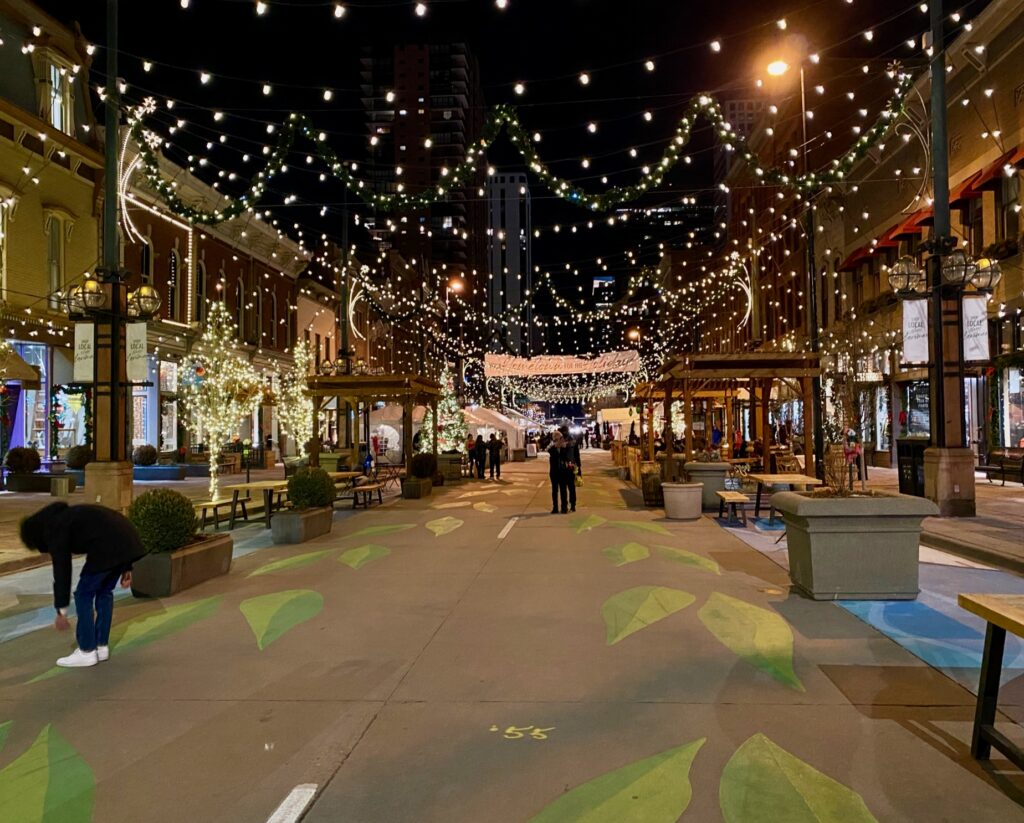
[
  {"x": 965, "y": 190},
  {"x": 15, "y": 370},
  {"x": 855, "y": 258},
  {"x": 994, "y": 173},
  {"x": 914, "y": 225}
]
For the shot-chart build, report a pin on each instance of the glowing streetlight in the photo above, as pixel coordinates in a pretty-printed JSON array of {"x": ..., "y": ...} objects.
[{"x": 777, "y": 68}]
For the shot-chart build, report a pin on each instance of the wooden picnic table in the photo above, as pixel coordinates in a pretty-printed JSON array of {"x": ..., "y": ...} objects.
[
  {"x": 1003, "y": 613},
  {"x": 778, "y": 479},
  {"x": 269, "y": 489},
  {"x": 348, "y": 478}
]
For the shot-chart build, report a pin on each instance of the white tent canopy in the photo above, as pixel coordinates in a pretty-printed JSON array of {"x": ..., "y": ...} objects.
[
  {"x": 386, "y": 427},
  {"x": 483, "y": 421}
]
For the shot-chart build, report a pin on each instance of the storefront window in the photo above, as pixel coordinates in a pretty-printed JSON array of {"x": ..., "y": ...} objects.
[
  {"x": 915, "y": 419},
  {"x": 140, "y": 416},
  {"x": 1014, "y": 407},
  {"x": 168, "y": 406},
  {"x": 35, "y": 420}
]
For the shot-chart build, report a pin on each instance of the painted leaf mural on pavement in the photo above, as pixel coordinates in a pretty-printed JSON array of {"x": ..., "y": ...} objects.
[
  {"x": 641, "y": 526},
  {"x": 49, "y": 783},
  {"x": 689, "y": 558},
  {"x": 585, "y": 524},
  {"x": 5, "y": 728},
  {"x": 458, "y": 504},
  {"x": 444, "y": 525},
  {"x": 759, "y": 636},
  {"x": 653, "y": 790},
  {"x": 360, "y": 556},
  {"x": 394, "y": 528},
  {"x": 763, "y": 783},
  {"x": 295, "y": 562},
  {"x": 627, "y": 553},
  {"x": 637, "y": 608},
  {"x": 271, "y": 615},
  {"x": 486, "y": 508}
]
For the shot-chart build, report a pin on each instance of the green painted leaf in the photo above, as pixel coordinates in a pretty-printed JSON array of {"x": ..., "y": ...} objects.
[
  {"x": 641, "y": 526},
  {"x": 445, "y": 525},
  {"x": 634, "y": 609},
  {"x": 627, "y": 553},
  {"x": 373, "y": 531},
  {"x": 5, "y": 728},
  {"x": 689, "y": 558},
  {"x": 359, "y": 557},
  {"x": 763, "y": 783},
  {"x": 271, "y": 615},
  {"x": 486, "y": 508},
  {"x": 295, "y": 562},
  {"x": 759, "y": 636},
  {"x": 478, "y": 494},
  {"x": 458, "y": 504},
  {"x": 653, "y": 790},
  {"x": 585, "y": 524},
  {"x": 49, "y": 783}
]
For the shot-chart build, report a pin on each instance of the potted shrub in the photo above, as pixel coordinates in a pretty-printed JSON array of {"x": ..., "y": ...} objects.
[
  {"x": 424, "y": 467},
  {"x": 146, "y": 468},
  {"x": 77, "y": 458},
  {"x": 22, "y": 465},
  {"x": 709, "y": 470},
  {"x": 177, "y": 557},
  {"x": 311, "y": 492},
  {"x": 683, "y": 501}
]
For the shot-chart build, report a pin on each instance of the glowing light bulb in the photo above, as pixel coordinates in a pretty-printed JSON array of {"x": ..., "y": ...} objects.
[
  {"x": 421, "y": 9},
  {"x": 716, "y": 46},
  {"x": 261, "y": 8},
  {"x": 519, "y": 88},
  {"x": 205, "y": 77},
  {"x": 649, "y": 65},
  {"x": 592, "y": 127},
  {"x": 584, "y": 79},
  {"x": 266, "y": 88},
  {"x": 339, "y": 10}
]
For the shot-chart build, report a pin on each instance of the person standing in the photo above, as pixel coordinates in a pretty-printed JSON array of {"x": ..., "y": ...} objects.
[
  {"x": 494, "y": 446},
  {"x": 558, "y": 472},
  {"x": 574, "y": 466},
  {"x": 110, "y": 545},
  {"x": 480, "y": 456}
]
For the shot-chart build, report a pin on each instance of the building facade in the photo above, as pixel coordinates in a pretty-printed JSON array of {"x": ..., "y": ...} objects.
[{"x": 510, "y": 240}]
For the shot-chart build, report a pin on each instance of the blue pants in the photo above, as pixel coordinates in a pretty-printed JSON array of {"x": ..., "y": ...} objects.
[{"x": 95, "y": 590}]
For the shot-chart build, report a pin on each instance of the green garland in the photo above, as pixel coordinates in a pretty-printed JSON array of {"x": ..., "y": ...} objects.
[{"x": 505, "y": 118}]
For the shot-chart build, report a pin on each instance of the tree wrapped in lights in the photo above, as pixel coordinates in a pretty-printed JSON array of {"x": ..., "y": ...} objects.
[
  {"x": 220, "y": 388},
  {"x": 294, "y": 404},
  {"x": 452, "y": 431}
]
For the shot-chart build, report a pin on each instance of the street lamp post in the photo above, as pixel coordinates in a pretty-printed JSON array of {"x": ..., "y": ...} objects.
[{"x": 455, "y": 285}]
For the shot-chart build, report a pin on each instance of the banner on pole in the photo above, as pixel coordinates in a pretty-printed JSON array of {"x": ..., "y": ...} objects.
[
  {"x": 135, "y": 347},
  {"x": 506, "y": 365},
  {"x": 975, "y": 328},
  {"x": 915, "y": 331},
  {"x": 85, "y": 352}
]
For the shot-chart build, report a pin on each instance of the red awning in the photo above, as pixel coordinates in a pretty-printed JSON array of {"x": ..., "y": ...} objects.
[
  {"x": 855, "y": 258},
  {"x": 965, "y": 190},
  {"x": 889, "y": 240},
  {"x": 994, "y": 172},
  {"x": 914, "y": 224}
]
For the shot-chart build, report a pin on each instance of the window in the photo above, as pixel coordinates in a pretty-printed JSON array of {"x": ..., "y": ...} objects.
[
  {"x": 200, "y": 292},
  {"x": 146, "y": 260},
  {"x": 259, "y": 317},
  {"x": 60, "y": 104},
  {"x": 273, "y": 320},
  {"x": 239, "y": 310},
  {"x": 172, "y": 286},
  {"x": 55, "y": 259},
  {"x": 1008, "y": 219},
  {"x": 317, "y": 353},
  {"x": 3, "y": 244}
]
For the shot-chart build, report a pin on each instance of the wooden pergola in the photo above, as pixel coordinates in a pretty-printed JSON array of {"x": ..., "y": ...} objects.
[
  {"x": 694, "y": 376},
  {"x": 409, "y": 390}
]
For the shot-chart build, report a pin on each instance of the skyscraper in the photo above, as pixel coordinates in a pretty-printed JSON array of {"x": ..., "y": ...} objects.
[{"x": 510, "y": 232}]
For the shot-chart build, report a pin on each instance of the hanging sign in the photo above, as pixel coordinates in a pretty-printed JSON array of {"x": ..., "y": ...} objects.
[
  {"x": 135, "y": 348},
  {"x": 975, "y": 329},
  {"x": 505, "y": 365},
  {"x": 915, "y": 331},
  {"x": 85, "y": 352}
]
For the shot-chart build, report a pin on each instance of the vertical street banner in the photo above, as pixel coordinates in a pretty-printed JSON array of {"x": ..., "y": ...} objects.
[
  {"x": 85, "y": 352},
  {"x": 975, "y": 328},
  {"x": 915, "y": 331},
  {"x": 135, "y": 351}
]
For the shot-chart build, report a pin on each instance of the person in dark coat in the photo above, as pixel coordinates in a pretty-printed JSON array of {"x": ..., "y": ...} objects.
[
  {"x": 558, "y": 472},
  {"x": 575, "y": 467},
  {"x": 480, "y": 456},
  {"x": 110, "y": 545},
  {"x": 494, "y": 446}
]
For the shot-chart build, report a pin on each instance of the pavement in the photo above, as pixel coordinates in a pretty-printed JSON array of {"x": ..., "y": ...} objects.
[{"x": 470, "y": 657}]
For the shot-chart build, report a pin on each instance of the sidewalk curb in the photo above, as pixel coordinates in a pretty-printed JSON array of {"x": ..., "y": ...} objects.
[
  {"x": 970, "y": 551},
  {"x": 21, "y": 564}
]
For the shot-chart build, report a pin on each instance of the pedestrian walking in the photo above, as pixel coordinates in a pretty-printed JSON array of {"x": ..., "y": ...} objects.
[
  {"x": 110, "y": 545},
  {"x": 573, "y": 465},
  {"x": 558, "y": 472},
  {"x": 480, "y": 456},
  {"x": 494, "y": 446}
]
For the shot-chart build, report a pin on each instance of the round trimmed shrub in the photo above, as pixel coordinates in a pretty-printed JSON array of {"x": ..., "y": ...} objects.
[
  {"x": 78, "y": 457},
  {"x": 144, "y": 456},
  {"x": 310, "y": 488},
  {"x": 22, "y": 460},
  {"x": 164, "y": 519}
]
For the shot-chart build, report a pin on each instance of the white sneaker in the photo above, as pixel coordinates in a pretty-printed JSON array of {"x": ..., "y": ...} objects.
[
  {"x": 79, "y": 659},
  {"x": 102, "y": 653}
]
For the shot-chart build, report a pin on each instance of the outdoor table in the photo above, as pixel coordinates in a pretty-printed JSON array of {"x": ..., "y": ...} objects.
[
  {"x": 1002, "y": 612},
  {"x": 349, "y": 477},
  {"x": 388, "y": 474},
  {"x": 778, "y": 479},
  {"x": 268, "y": 487}
]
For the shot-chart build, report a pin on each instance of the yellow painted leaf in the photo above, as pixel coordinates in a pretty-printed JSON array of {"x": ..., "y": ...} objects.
[
  {"x": 294, "y": 562},
  {"x": 635, "y": 609},
  {"x": 360, "y": 556},
  {"x": 641, "y": 526},
  {"x": 5, "y": 728},
  {"x": 486, "y": 508},
  {"x": 689, "y": 558},
  {"x": 445, "y": 525},
  {"x": 374, "y": 531},
  {"x": 585, "y": 524},
  {"x": 763, "y": 783},
  {"x": 49, "y": 783},
  {"x": 653, "y": 790},
  {"x": 627, "y": 553},
  {"x": 458, "y": 504},
  {"x": 759, "y": 636},
  {"x": 271, "y": 615}
]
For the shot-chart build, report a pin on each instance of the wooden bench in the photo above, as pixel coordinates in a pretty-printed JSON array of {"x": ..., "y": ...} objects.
[
  {"x": 1003, "y": 613},
  {"x": 203, "y": 506},
  {"x": 1007, "y": 464},
  {"x": 732, "y": 499},
  {"x": 367, "y": 490}
]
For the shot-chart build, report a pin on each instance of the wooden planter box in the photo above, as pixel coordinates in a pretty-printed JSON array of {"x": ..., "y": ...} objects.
[
  {"x": 712, "y": 475},
  {"x": 162, "y": 574},
  {"x": 37, "y": 482},
  {"x": 450, "y": 465},
  {"x": 161, "y": 473},
  {"x": 414, "y": 488},
  {"x": 300, "y": 526},
  {"x": 854, "y": 548}
]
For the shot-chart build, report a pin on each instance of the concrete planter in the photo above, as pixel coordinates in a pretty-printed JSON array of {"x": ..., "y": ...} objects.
[
  {"x": 158, "y": 473},
  {"x": 300, "y": 526},
  {"x": 712, "y": 476},
  {"x": 450, "y": 465},
  {"x": 683, "y": 501},
  {"x": 36, "y": 482},
  {"x": 414, "y": 488},
  {"x": 854, "y": 548},
  {"x": 162, "y": 574}
]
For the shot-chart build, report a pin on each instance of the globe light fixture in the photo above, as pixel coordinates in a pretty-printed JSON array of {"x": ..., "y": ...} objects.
[
  {"x": 777, "y": 68},
  {"x": 957, "y": 269},
  {"x": 326, "y": 368},
  {"x": 73, "y": 301},
  {"x": 92, "y": 294},
  {"x": 905, "y": 275},
  {"x": 144, "y": 301},
  {"x": 987, "y": 274}
]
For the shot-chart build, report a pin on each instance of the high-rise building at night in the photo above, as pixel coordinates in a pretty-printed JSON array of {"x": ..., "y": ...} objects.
[{"x": 510, "y": 232}]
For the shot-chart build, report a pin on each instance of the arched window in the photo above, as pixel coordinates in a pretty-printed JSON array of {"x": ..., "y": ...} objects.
[
  {"x": 240, "y": 308},
  {"x": 200, "y": 310},
  {"x": 273, "y": 320},
  {"x": 173, "y": 285},
  {"x": 259, "y": 317}
]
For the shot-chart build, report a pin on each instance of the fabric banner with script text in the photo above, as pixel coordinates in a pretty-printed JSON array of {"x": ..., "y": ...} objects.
[
  {"x": 915, "y": 331},
  {"x": 135, "y": 349},
  {"x": 506, "y": 365},
  {"x": 85, "y": 352},
  {"x": 975, "y": 328}
]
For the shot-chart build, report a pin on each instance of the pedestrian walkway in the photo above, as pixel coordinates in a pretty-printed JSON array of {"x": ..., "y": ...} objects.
[{"x": 470, "y": 657}]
